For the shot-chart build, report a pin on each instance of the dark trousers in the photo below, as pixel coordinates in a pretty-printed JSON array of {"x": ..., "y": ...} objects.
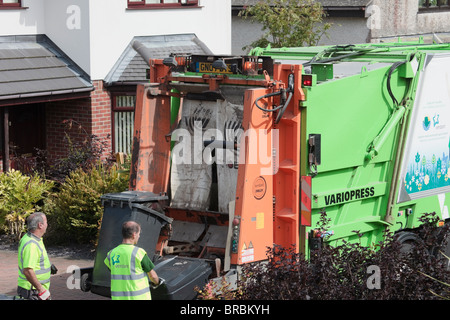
[{"x": 27, "y": 294}]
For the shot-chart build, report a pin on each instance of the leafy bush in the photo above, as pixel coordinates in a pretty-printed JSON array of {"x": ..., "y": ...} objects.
[
  {"x": 83, "y": 151},
  {"x": 76, "y": 210},
  {"x": 20, "y": 195},
  {"x": 349, "y": 272}
]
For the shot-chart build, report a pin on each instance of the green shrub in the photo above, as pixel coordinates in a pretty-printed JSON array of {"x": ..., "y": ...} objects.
[
  {"x": 20, "y": 195},
  {"x": 76, "y": 209}
]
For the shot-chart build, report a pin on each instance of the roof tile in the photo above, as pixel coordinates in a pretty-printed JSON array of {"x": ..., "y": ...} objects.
[
  {"x": 35, "y": 66},
  {"x": 131, "y": 67}
]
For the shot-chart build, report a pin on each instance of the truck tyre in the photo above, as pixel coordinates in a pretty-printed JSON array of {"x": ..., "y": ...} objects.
[
  {"x": 85, "y": 282},
  {"x": 407, "y": 241}
]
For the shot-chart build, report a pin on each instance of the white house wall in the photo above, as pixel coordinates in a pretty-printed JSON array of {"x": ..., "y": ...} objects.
[
  {"x": 23, "y": 21},
  {"x": 94, "y": 33},
  {"x": 67, "y": 25},
  {"x": 113, "y": 27}
]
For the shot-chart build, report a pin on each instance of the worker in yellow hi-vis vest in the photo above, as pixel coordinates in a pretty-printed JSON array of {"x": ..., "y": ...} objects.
[
  {"x": 130, "y": 266},
  {"x": 34, "y": 266}
]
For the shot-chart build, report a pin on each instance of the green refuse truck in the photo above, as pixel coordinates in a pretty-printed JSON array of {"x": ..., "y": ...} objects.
[{"x": 250, "y": 151}]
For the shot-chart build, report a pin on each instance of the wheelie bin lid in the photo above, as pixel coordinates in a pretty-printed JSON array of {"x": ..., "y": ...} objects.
[
  {"x": 136, "y": 200},
  {"x": 134, "y": 196}
]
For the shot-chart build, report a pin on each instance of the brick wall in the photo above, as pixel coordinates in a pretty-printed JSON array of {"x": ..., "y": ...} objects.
[
  {"x": 101, "y": 112},
  {"x": 79, "y": 118}
]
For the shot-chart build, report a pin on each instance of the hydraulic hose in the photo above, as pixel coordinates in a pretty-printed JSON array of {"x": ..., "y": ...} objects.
[
  {"x": 353, "y": 53},
  {"x": 268, "y": 96},
  {"x": 280, "y": 114},
  {"x": 391, "y": 71},
  {"x": 282, "y": 106}
]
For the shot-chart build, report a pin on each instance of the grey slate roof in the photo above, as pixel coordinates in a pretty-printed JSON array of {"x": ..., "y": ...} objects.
[
  {"x": 32, "y": 66},
  {"x": 131, "y": 67}
]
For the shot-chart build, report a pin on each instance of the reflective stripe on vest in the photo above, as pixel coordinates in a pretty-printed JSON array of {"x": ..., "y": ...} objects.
[
  {"x": 130, "y": 293},
  {"x": 132, "y": 281},
  {"x": 43, "y": 273}
]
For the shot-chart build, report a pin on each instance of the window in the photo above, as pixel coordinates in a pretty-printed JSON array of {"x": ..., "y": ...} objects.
[
  {"x": 434, "y": 4},
  {"x": 123, "y": 110},
  {"x": 164, "y": 4},
  {"x": 10, "y": 4}
]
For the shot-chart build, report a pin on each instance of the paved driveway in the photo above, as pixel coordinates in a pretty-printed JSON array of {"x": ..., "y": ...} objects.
[{"x": 61, "y": 284}]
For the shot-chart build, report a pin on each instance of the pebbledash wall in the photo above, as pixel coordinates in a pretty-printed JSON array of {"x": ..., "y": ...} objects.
[{"x": 91, "y": 116}]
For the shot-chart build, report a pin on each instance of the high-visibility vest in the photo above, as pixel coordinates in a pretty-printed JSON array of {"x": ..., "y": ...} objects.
[
  {"x": 128, "y": 280},
  {"x": 32, "y": 254}
]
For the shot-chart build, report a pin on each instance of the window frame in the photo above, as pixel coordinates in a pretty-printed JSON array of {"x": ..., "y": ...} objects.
[
  {"x": 115, "y": 109},
  {"x": 17, "y": 5},
  {"x": 442, "y": 5},
  {"x": 182, "y": 4}
]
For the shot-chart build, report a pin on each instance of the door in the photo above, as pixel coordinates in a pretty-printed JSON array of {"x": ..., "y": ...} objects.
[{"x": 26, "y": 132}]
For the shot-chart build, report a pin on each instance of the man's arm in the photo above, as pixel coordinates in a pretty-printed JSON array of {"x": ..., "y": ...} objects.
[
  {"x": 31, "y": 277},
  {"x": 147, "y": 266},
  {"x": 153, "y": 277}
]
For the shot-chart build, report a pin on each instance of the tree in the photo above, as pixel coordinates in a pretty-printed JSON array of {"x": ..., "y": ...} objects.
[{"x": 287, "y": 23}]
